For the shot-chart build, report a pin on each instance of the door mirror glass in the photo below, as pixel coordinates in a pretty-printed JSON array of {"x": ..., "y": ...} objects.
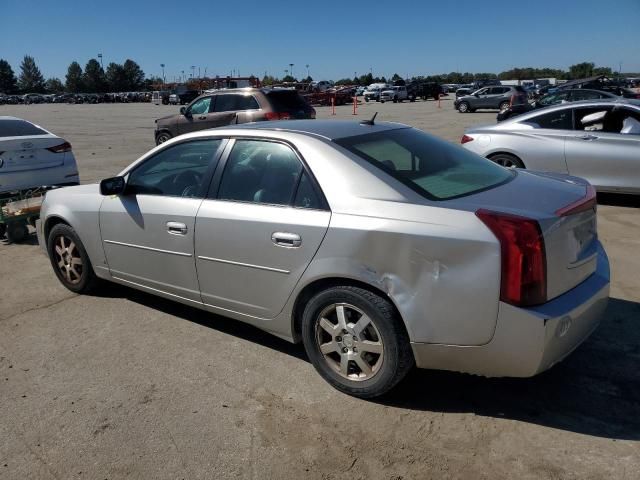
[{"x": 113, "y": 186}]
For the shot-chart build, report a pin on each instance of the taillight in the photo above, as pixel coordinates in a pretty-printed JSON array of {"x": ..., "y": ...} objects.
[
  {"x": 466, "y": 139},
  {"x": 588, "y": 202},
  {"x": 524, "y": 263},
  {"x": 278, "y": 115},
  {"x": 63, "y": 147}
]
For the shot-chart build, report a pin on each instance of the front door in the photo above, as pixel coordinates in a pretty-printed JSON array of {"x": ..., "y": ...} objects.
[
  {"x": 258, "y": 234},
  {"x": 197, "y": 116},
  {"x": 148, "y": 233},
  {"x": 599, "y": 152}
]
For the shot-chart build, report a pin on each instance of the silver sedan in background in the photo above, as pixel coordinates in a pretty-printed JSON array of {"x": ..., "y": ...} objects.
[
  {"x": 596, "y": 140},
  {"x": 378, "y": 246}
]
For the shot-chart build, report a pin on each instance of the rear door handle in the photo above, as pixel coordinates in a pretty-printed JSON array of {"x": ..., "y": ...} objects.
[
  {"x": 202, "y": 117},
  {"x": 286, "y": 239},
  {"x": 587, "y": 137},
  {"x": 176, "y": 228}
]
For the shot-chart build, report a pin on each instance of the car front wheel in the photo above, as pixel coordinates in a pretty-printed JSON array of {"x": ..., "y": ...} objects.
[
  {"x": 162, "y": 137},
  {"x": 69, "y": 260},
  {"x": 463, "y": 107},
  {"x": 356, "y": 341}
]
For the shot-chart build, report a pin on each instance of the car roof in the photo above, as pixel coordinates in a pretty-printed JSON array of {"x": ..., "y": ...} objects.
[{"x": 328, "y": 129}]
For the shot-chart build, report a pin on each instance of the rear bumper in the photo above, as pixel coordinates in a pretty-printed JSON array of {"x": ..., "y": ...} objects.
[{"x": 528, "y": 341}]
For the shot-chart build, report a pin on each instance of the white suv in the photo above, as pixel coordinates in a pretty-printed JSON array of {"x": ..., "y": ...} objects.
[{"x": 394, "y": 94}]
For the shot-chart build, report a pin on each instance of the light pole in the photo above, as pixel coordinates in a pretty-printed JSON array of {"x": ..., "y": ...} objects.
[
  {"x": 291, "y": 70},
  {"x": 100, "y": 57},
  {"x": 162, "y": 66},
  {"x": 183, "y": 79},
  {"x": 193, "y": 71},
  {"x": 307, "y": 65}
]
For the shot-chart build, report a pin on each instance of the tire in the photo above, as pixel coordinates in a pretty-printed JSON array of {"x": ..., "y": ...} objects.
[
  {"x": 69, "y": 260},
  {"x": 346, "y": 364},
  {"x": 507, "y": 160},
  {"x": 3, "y": 229},
  {"x": 463, "y": 107},
  {"x": 17, "y": 231},
  {"x": 162, "y": 137},
  {"x": 366, "y": 99},
  {"x": 381, "y": 101},
  {"x": 503, "y": 106},
  {"x": 395, "y": 99}
]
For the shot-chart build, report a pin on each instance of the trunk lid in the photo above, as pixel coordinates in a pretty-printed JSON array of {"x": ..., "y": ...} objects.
[
  {"x": 570, "y": 239},
  {"x": 29, "y": 153}
]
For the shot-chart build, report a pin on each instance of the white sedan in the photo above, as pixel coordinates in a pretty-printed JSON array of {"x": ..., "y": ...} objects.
[{"x": 31, "y": 156}]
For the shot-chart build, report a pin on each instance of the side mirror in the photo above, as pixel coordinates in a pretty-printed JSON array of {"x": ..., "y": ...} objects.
[
  {"x": 183, "y": 111},
  {"x": 112, "y": 186}
]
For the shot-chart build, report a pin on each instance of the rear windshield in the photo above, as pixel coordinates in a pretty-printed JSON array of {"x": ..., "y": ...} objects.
[
  {"x": 286, "y": 100},
  {"x": 19, "y": 128},
  {"x": 434, "y": 168}
]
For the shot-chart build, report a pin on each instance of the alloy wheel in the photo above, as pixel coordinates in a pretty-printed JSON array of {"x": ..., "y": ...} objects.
[
  {"x": 68, "y": 259},
  {"x": 349, "y": 341}
]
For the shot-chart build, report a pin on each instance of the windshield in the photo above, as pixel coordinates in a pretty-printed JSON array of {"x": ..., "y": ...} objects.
[{"x": 434, "y": 168}]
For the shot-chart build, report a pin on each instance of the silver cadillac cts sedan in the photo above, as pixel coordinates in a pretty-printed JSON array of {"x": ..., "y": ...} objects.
[{"x": 378, "y": 246}]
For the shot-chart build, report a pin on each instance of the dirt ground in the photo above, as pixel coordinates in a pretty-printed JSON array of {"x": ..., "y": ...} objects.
[{"x": 127, "y": 385}]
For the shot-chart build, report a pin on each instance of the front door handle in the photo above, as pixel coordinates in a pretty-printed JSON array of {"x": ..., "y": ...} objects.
[
  {"x": 176, "y": 228},
  {"x": 286, "y": 239},
  {"x": 587, "y": 137},
  {"x": 202, "y": 117}
]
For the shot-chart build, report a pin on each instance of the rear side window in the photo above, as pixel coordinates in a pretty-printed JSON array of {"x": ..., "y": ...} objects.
[
  {"x": 19, "y": 128},
  {"x": 434, "y": 168},
  {"x": 286, "y": 100},
  {"x": 557, "y": 120},
  {"x": 232, "y": 103},
  {"x": 260, "y": 172}
]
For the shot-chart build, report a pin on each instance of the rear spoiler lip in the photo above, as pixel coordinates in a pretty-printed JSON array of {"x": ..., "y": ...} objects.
[{"x": 588, "y": 202}]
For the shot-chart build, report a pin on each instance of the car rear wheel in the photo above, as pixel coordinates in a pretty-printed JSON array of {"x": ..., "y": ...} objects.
[
  {"x": 356, "y": 341},
  {"x": 162, "y": 137},
  {"x": 507, "y": 160},
  {"x": 503, "y": 106},
  {"x": 463, "y": 107},
  {"x": 69, "y": 260}
]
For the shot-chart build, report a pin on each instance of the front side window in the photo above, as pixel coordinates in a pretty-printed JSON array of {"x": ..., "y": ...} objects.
[
  {"x": 201, "y": 106},
  {"x": 432, "y": 167},
  {"x": 554, "y": 98},
  {"x": 176, "y": 171},
  {"x": 260, "y": 172}
]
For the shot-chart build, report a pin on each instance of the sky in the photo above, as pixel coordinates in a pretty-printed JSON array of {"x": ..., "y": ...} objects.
[{"x": 336, "y": 39}]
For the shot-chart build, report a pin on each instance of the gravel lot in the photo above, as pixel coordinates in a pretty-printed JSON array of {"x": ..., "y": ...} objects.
[{"x": 127, "y": 385}]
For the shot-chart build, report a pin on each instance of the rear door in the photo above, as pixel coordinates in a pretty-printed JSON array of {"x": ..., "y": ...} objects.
[
  {"x": 597, "y": 151},
  {"x": 257, "y": 234},
  {"x": 234, "y": 108}
]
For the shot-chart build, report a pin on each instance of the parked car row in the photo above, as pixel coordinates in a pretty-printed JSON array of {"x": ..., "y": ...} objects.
[{"x": 35, "y": 98}]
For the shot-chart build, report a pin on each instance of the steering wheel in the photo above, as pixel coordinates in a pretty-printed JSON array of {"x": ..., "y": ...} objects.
[{"x": 186, "y": 182}]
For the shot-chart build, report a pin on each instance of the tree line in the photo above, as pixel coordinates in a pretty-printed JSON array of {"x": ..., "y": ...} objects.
[
  {"x": 128, "y": 76},
  {"x": 125, "y": 77}
]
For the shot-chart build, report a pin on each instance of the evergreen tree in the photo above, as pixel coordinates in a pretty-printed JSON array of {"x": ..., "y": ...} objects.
[
  {"x": 93, "y": 77},
  {"x": 8, "y": 81},
  {"x": 133, "y": 74},
  {"x": 31, "y": 80},
  {"x": 74, "y": 78}
]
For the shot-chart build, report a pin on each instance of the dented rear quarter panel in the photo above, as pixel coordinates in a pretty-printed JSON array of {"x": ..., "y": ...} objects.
[{"x": 441, "y": 269}]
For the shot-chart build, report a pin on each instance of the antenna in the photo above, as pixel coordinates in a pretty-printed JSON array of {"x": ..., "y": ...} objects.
[{"x": 369, "y": 122}]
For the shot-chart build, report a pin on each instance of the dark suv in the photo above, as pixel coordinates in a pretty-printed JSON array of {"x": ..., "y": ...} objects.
[
  {"x": 494, "y": 97},
  {"x": 227, "y": 107}
]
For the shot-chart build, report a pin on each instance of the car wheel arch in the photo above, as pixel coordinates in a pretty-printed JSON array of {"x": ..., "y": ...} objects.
[
  {"x": 317, "y": 286},
  {"x": 51, "y": 222}
]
